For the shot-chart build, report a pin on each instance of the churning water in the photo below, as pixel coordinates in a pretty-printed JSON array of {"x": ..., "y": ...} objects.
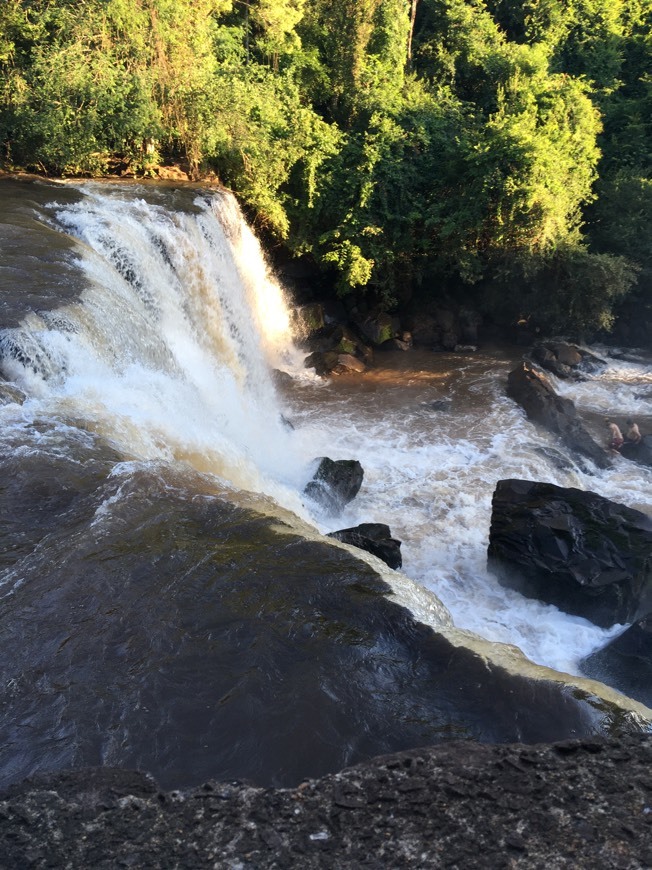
[{"x": 165, "y": 355}]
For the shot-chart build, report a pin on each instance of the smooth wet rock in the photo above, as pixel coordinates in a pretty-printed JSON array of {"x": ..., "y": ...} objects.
[
  {"x": 375, "y": 538},
  {"x": 641, "y": 452},
  {"x": 335, "y": 483},
  {"x": 195, "y": 639},
  {"x": 534, "y": 392},
  {"x": 11, "y": 394},
  {"x": 583, "y": 553},
  {"x": 626, "y": 662},
  {"x": 333, "y": 363}
]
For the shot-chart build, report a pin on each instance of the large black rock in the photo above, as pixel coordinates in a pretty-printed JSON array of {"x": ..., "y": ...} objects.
[
  {"x": 534, "y": 392},
  {"x": 335, "y": 483},
  {"x": 626, "y": 662},
  {"x": 375, "y": 538},
  {"x": 577, "y": 550},
  {"x": 194, "y": 638}
]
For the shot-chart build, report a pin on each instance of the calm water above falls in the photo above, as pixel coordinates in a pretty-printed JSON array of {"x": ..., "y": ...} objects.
[{"x": 152, "y": 330}]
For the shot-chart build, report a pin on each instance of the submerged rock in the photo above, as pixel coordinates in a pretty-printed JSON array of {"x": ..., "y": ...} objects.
[
  {"x": 11, "y": 394},
  {"x": 375, "y": 538},
  {"x": 626, "y": 662},
  {"x": 335, "y": 483},
  {"x": 445, "y": 404},
  {"x": 577, "y": 550},
  {"x": 641, "y": 452},
  {"x": 534, "y": 392}
]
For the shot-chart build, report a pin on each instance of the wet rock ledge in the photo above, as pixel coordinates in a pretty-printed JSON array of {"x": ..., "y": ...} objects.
[{"x": 461, "y": 805}]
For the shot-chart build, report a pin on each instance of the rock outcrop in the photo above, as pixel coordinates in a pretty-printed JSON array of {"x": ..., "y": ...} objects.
[
  {"x": 565, "y": 360},
  {"x": 577, "y": 550},
  {"x": 534, "y": 392},
  {"x": 459, "y": 805},
  {"x": 335, "y": 483},
  {"x": 375, "y": 538},
  {"x": 336, "y": 349}
]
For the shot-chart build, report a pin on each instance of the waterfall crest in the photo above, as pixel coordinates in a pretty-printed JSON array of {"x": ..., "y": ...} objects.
[{"x": 168, "y": 351}]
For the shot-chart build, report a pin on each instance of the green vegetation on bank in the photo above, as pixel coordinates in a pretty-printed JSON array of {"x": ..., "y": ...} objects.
[{"x": 492, "y": 150}]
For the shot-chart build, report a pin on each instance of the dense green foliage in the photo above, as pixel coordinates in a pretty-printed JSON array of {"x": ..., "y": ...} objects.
[{"x": 494, "y": 150}]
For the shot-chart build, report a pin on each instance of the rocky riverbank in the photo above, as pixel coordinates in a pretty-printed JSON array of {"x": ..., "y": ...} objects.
[{"x": 459, "y": 805}]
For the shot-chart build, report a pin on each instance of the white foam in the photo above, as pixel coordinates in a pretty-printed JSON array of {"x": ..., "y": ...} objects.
[
  {"x": 168, "y": 352},
  {"x": 431, "y": 475}
]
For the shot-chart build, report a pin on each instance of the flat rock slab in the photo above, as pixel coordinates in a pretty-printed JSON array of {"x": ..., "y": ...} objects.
[{"x": 458, "y": 805}]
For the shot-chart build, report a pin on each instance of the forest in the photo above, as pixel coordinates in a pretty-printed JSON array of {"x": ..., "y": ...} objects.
[{"x": 491, "y": 151}]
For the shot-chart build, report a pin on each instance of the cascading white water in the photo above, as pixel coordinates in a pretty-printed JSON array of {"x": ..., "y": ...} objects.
[
  {"x": 168, "y": 351},
  {"x": 431, "y": 474},
  {"x": 167, "y": 355}
]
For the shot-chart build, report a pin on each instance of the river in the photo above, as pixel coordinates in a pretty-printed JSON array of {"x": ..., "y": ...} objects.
[{"x": 142, "y": 326}]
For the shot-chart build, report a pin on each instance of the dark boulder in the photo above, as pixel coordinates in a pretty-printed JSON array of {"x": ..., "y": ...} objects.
[
  {"x": 379, "y": 328},
  {"x": 533, "y": 391},
  {"x": 641, "y": 452},
  {"x": 333, "y": 363},
  {"x": 565, "y": 360},
  {"x": 577, "y": 550},
  {"x": 546, "y": 358},
  {"x": 347, "y": 363},
  {"x": 337, "y": 349},
  {"x": 626, "y": 662},
  {"x": 397, "y": 344},
  {"x": 425, "y": 330},
  {"x": 375, "y": 538},
  {"x": 335, "y": 483}
]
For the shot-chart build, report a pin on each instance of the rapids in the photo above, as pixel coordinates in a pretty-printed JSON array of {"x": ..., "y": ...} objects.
[
  {"x": 166, "y": 355},
  {"x": 141, "y": 327}
]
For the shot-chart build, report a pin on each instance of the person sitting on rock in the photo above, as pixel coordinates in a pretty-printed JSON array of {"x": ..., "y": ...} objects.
[
  {"x": 633, "y": 434},
  {"x": 616, "y": 439}
]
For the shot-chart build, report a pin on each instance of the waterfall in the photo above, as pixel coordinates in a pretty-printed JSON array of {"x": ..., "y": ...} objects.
[{"x": 168, "y": 351}]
